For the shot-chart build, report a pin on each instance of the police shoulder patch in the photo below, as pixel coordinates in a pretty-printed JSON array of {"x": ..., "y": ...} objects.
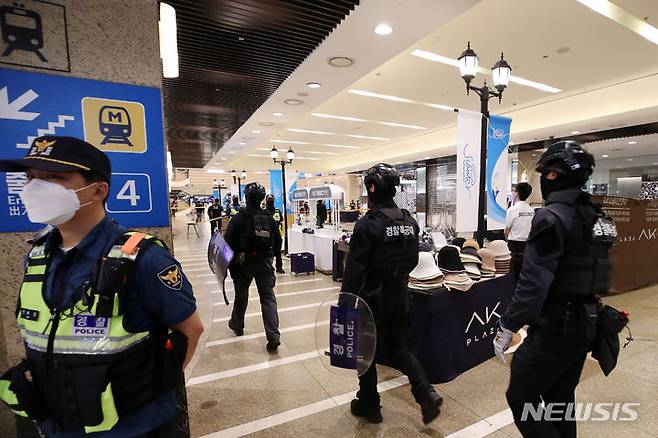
[{"x": 171, "y": 277}]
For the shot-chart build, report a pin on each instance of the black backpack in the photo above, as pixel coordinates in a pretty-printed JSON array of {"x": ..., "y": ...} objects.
[{"x": 258, "y": 237}]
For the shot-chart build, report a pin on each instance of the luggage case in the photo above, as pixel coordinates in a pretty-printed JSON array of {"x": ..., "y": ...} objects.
[{"x": 302, "y": 263}]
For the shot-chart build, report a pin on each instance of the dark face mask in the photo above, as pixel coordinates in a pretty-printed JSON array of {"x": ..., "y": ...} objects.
[
  {"x": 562, "y": 182},
  {"x": 269, "y": 204}
]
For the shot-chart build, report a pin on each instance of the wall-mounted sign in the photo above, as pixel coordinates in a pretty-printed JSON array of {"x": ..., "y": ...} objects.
[
  {"x": 34, "y": 35},
  {"x": 125, "y": 121}
]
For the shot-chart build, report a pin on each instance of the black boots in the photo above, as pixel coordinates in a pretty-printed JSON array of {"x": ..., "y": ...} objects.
[
  {"x": 431, "y": 406},
  {"x": 237, "y": 331},
  {"x": 370, "y": 414},
  {"x": 272, "y": 346}
]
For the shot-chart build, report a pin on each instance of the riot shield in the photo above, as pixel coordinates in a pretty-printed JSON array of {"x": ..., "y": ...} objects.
[
  {"x": 219, "y": 257},
  {"x": 345, "y": 334}
]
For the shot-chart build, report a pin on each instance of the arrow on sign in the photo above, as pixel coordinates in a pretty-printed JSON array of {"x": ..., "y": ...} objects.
[{"x": 12, "y": 111}]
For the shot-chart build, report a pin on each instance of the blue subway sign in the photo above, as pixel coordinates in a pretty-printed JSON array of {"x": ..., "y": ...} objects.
[{"x": 124, "y": 121}]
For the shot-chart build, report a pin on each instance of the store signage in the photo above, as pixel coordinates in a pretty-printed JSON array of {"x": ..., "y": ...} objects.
[
  {"x": 343, "y": 337},
  {"x": 124, "y": 121},
  {"x": 468, "y": 169},
  {"x": 300, "y": 194},
  {"x": 320, "y": 193},
  {"x": 498, "y": 180}
]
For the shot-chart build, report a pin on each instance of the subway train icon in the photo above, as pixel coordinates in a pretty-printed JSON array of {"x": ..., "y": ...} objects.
[
  {"x": 21, "y": 30},
  {"x": 114, "y": 125}
]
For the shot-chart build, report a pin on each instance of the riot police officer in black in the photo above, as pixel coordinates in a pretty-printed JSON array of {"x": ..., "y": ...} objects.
[
  {"x": 383, "y": 250},
  {"x": 565, "y": 267},
  {"x": 253, "y": 234}
]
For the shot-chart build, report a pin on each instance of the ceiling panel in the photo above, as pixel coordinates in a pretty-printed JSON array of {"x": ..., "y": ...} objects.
[
  {"x": 560, "y": 43},
  {"x": 233, "y": 55}
]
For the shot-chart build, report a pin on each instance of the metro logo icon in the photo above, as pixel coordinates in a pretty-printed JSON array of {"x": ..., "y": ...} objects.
[{"x": 114, "y": 125}]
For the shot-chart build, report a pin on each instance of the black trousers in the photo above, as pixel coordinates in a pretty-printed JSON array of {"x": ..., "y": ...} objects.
[
  {"x": 393, "y": 350},
  {"x": 516, "y": 248},
  {"x": 242, "y": 276},
  {"x": 214, "y": 226},
  {"x": 547, "y": 367}
]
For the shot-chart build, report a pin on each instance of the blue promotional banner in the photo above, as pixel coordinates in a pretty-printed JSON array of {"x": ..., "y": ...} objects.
[
  {"x": 124, "y": 121},
  {"x": 276, "y": 188},
  {"x": 498, "y": 181},
  {"x": 343, "y": 337}
]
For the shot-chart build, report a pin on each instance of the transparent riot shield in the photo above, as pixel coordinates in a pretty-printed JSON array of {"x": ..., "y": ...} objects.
[
  {"x": 219, "y": 257},
  {"x": 345, "y": 334}
]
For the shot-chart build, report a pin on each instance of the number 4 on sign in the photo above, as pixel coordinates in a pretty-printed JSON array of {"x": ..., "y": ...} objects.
[{"x": 129, "y": 192}]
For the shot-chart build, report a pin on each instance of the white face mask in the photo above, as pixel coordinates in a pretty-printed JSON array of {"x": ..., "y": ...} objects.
[{"x": 50, "y": 203}]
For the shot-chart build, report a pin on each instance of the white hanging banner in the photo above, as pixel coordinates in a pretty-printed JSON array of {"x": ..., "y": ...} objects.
[{"x": 469, "y": 135}]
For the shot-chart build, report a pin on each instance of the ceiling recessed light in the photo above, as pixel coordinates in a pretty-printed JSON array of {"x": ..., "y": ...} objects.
[
  {"x": 242, "y": 143},
  {"x": 632, "y": 142},
  {"x": 427, "y": 158},
  {"x": 266, "y": 123},
  {"x": 293, "y": 101},
  {"x": 575, "y": 132},
  {"x": 277, "y": 114},
  {"x": 231, "y": 152},
  {"x": 313, "y": 85},
  {"x": 240, "y": 38},
  {"x": 630, "y": 159},
  {"x": 340, "y": 61},
  {"x": 604, "y": 156},
  {"x": 383, "y": 29},
  {"x": 255, "y": 131}
]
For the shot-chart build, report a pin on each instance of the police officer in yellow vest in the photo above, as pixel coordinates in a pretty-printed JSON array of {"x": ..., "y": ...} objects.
[
  {"x": 108, "y": 319},
  {"x": 278, "y": 219},
  {"x": 235, "y": 207}
]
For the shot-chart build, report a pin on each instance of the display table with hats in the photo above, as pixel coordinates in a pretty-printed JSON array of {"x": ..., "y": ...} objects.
[{"x": 452, "y": 332}]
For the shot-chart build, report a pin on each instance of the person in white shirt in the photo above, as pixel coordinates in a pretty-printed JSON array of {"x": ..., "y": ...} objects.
[{"x": 517, "y": 225}]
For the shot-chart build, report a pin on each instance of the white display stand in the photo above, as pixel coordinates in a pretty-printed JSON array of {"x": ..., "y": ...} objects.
[{"x": 319, "y": 244}]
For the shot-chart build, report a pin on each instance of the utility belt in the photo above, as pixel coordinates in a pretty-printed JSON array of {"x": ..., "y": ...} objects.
[
  {"x": 567, "y": 312},
  {"x": 254, "y": 257},
  {"x": 96, "y": 394}
]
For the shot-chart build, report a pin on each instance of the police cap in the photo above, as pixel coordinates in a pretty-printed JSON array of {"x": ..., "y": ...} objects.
[{"x": 53, "y": 153}]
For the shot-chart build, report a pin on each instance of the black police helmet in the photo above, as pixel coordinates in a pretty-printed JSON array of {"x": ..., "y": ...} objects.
[
  {"x": 254, "y": 193},
  {"x": 384, "y": 177},
  {"x": 565, "y": 157}
]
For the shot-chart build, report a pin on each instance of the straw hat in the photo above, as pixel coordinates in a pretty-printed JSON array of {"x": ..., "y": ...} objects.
[{"x": 426, "y": 268}]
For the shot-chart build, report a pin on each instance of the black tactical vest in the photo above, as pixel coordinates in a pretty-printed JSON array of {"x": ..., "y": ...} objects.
[
  {"x": 398, "y": 253},
  {"x": 585, "y": 268}
]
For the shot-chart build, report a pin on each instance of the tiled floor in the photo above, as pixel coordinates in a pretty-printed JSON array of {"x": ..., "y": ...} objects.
[{"x": 235, "y": 387}]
